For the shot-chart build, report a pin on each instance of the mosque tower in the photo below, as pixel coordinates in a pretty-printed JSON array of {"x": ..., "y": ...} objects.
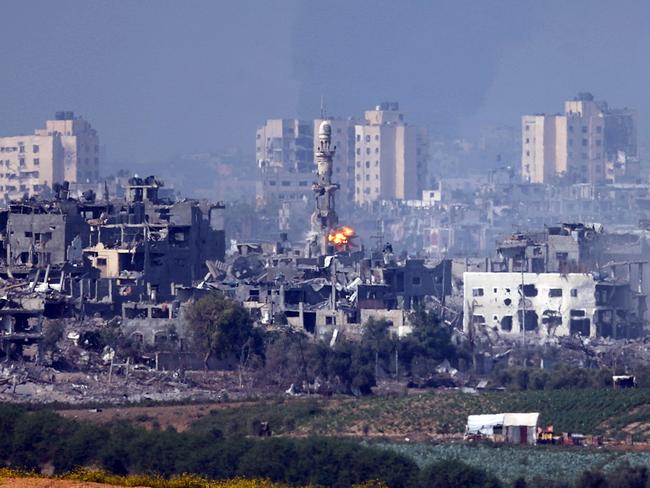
[{"x": 324, "y": 219}]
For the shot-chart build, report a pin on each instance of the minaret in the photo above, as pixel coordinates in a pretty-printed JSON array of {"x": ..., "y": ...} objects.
[{"x": 324, "y": 218}]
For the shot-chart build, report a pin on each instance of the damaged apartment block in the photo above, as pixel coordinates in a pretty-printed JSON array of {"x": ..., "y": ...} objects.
[
  {"x": 329, "y": 295},
  {"x": 556, "y": 283},
  {"x": 70, "y": 257},
  {"x": 148, "y": 247}
]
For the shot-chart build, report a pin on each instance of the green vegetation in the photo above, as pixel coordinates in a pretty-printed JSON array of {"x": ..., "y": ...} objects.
[
  {"x": 418, "y": 354},
  {"x": 35, "y": 439},
  {"x": 510, "y": 463},
  {"x": 555, "y": 379},
  {"x": 222, "y": 328},
  {"x": 284, "y": 417},
  {"x": 586, "y": 411},
  {"x": 31, "y": 440}
]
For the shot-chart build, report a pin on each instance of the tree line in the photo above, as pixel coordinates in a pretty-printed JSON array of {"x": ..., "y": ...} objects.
[
  {"x": 221, "y": 329},
  {"x": 32, "y": 440}
]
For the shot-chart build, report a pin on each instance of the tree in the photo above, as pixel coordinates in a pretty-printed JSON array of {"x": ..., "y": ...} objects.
[
  {"x": 591, "y": 479},
  {"x": 377, "y": 339},
  {"x": 429, "y": 343},
  {"x": 456, "y": 474},
  {"x": 221, "y": 328}
]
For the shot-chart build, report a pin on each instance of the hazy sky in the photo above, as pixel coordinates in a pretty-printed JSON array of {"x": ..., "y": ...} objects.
[{"x": 158, "y": 78}]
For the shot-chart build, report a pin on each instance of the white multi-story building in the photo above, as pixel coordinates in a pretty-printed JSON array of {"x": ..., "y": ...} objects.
[
  {"x": 66, "y": 150},
  {"x": 390, "y": 156},
  {"x": 549, "y": 304}
]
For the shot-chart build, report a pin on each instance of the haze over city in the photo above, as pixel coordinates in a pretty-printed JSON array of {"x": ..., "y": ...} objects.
[
  {"x": 160, "y": 79},
  {"x": 344, "y": 243}
]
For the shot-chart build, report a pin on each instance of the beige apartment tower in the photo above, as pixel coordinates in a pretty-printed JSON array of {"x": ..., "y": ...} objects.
[
  {"x": 66, "y": 150},
  {"x": 390, "y": 156},
  {"x": 569, "y": 145},
  {"x": 80, "y": 146},
  {"x": 544, "y": 147}
]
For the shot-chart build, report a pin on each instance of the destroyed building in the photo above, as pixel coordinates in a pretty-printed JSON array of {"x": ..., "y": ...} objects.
[
  {"x": 558, "y": 282},
  {"x": 552, "y": 304},
  {"x": 327, "y": 286},
  {"x": 76, "y": 257},
  {"x": 568, "y": 248},
  {"x": 146, "y": 247}
]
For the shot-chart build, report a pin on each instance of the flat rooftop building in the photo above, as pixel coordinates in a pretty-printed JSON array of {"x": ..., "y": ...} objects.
[{"x": 67, "y": 149}]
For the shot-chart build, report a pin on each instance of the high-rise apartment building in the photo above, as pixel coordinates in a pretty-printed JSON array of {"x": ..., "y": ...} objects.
[
  {"x": 284, "y": 150},
  {"x": 544, "y": 147},
  {"x": 582, "y": 145},
  {"x": 585, "y": 136},
  {"x": 80, "y": 146},
  {"x": 66, "y": 150},
  {"x": 391, "y": 156},
  {"x": 286, "y": 143},
  {"x": 620, "y": 131}
]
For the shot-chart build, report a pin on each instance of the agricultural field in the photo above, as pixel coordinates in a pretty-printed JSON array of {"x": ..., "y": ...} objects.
[
  {"x": 509, "y": 463},
  {"x": 434, "y": 415}
]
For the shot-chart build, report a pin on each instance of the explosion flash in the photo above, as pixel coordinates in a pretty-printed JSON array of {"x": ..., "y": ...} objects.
[{"x": 341, "y": 237}]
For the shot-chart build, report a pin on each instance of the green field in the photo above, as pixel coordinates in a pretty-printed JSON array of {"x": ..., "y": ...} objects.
[
  {"x": 609, "y": 412},
  {"x": 509, "y": 463}
]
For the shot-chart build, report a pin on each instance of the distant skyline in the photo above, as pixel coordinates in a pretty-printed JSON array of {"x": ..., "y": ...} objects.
[{"x": 160, "y": 78}]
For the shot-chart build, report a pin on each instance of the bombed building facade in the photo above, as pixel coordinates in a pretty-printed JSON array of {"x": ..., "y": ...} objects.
[
  {"x": 559, "y": 282},
  {"x": 77, "y": 257},
  {"x": 328, "y": 286}
]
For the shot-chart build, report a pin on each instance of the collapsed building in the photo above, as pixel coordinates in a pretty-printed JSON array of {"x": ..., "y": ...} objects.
[
  {"x": 76, "y": 257},
  {"x": 328, "y": 286},
  {"x": 552, "y": 304},
  {"x": 558, "y": 282},
  {"x": 146, "y": 247},
  {"x": 143, "y": 257},
  {"x": 321, "y": 295}
]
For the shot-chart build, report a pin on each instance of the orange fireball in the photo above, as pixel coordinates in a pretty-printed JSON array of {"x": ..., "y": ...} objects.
[{"x": 340, "y": 237}]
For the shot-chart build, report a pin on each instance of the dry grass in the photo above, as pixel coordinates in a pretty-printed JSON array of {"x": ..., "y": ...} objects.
[{"x": 90, "y": 478}]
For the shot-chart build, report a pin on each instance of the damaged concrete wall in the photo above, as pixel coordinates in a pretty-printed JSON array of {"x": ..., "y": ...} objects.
[{"x": 553, "y": 303}]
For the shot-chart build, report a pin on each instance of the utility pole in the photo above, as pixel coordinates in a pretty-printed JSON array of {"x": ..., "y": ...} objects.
[
  {"x": 396, "y": 361},
  {"x": 523, "y": 303}
]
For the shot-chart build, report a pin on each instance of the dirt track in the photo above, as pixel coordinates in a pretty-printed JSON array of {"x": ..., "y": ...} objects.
[{"x": 180, "y": 417}]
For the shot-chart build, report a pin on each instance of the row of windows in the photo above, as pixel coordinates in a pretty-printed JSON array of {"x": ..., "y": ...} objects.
[
  {"x": 585, "y": 129},
  {"x": 288, "y": 183},
  {"x": 367, "y": 151},
  {"x": 367, "y": 138},
  {"x": 529, "y": 291},
  {"x": 585, "y": 143},
  {"x": 583, "y": 155},
  {"x": 23, "y": 174},
  {"x": 368, "y": 189},
  {"x": 20, "y": 148},
  {"x": 367, "y": 164},
  {"x": 23, "y": 188},
  {"x": 367, "y": 177}
]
